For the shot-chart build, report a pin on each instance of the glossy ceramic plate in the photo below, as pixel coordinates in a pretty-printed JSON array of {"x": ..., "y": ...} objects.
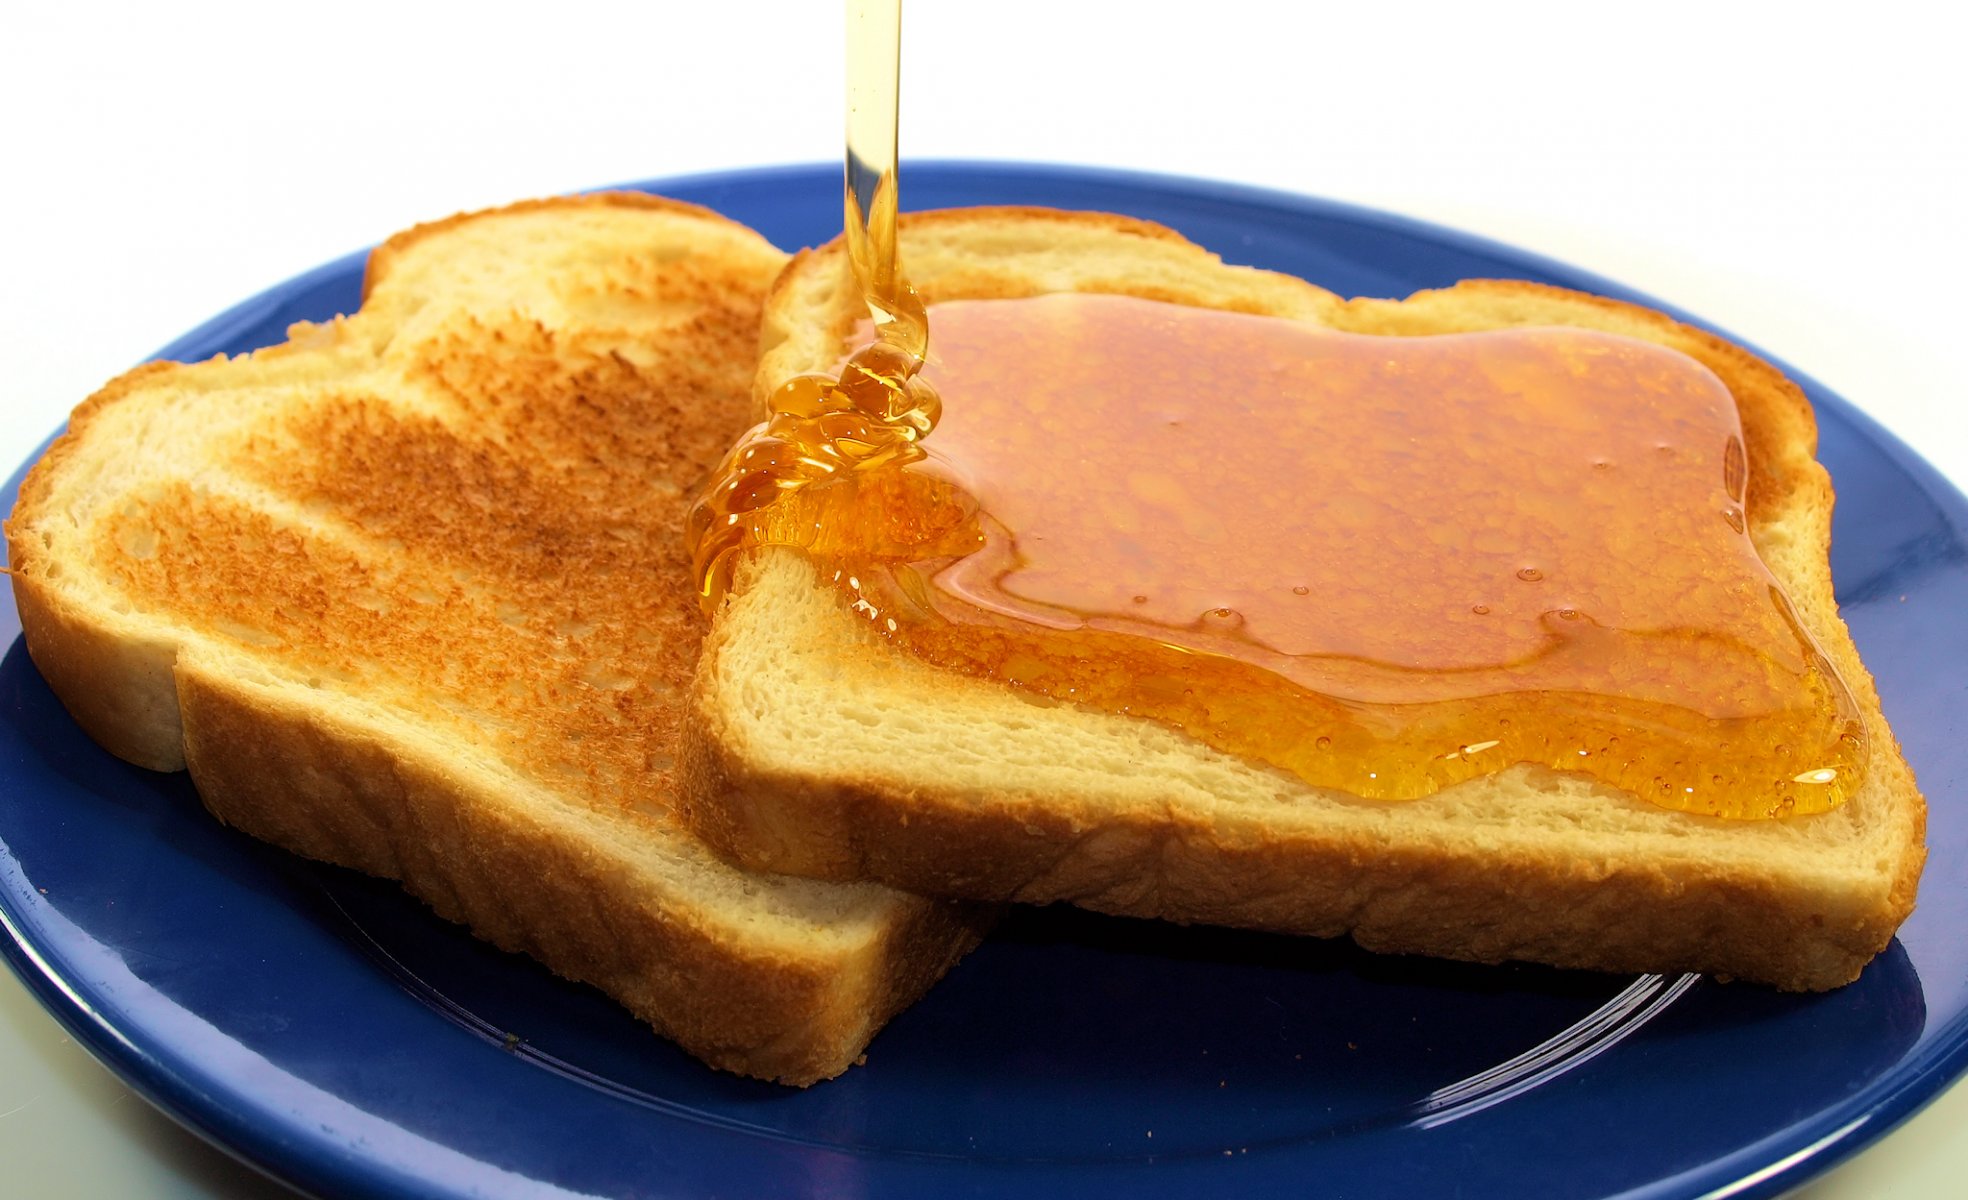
[{"x": 334, "y": 1032}]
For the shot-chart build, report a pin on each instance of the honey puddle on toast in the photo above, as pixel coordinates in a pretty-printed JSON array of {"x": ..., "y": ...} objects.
[{"x": 1383, "y": 564}]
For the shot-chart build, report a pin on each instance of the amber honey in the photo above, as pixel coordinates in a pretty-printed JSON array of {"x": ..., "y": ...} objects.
[{"x": 1383, "y": 564}]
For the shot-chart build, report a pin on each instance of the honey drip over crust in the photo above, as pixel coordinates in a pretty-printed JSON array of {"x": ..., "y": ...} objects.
[{"x": 827, "y": 431}]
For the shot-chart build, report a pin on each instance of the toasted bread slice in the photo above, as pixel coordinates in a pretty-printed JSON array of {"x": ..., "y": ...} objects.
[
  {"x": 408, "y": 594},
  {"x": 818, "y": 748}
]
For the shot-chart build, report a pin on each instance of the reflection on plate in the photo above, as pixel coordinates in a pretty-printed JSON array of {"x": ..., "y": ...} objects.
[{"x": 335, "y": 1032}]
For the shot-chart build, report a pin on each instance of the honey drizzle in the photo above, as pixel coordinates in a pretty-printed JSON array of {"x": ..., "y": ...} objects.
[
  {"x": 873, "y": 191},
  {"x": 826, "y": 432}
]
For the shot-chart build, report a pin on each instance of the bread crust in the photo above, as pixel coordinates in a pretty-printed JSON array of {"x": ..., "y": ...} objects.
[
  {"x": 385, "y": 257},
  {"x": 325, "y": 787},
  {"x": 76, "y": 650},
  {"x": 1477, "y": 905},
  {"x": 1588, "y": 877}
]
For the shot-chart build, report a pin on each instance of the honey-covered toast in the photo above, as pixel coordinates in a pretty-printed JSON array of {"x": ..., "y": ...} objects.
[{"x": 818, "y": 745}]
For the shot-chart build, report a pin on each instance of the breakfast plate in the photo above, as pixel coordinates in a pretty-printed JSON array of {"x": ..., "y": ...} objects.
[{"x": 332, "y": 1031}]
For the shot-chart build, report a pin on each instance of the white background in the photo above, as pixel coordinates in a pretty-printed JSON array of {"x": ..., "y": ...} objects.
[{"x": 1795, "y": 179}]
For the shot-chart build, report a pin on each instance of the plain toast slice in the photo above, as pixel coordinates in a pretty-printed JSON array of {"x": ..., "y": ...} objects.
[
  {"x": 818, "y": 748},
  {"x": 408, "y": 594}
]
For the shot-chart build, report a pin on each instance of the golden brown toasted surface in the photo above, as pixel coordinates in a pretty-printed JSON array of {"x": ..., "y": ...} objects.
[
  {"x": 814, "y": 747},
  {"x": 408, "y": 593}
]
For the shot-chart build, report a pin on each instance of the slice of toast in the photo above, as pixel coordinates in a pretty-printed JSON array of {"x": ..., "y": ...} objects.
[
  {"x": 817, "y": 747},
  {"x": 408, "y": 594}
]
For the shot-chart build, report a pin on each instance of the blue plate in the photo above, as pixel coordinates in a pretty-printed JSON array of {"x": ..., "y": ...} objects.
[{"x": 335, "y": 1033}]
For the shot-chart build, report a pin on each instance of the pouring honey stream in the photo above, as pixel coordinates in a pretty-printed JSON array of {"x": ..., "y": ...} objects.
[
  {"x": 830, "y": 431},
  {"x": 1384, "y": 564}
]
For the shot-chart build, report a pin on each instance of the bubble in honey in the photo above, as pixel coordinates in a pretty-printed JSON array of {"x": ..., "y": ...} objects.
[
  {"x": 1222, "y": 618},
  {"x": 1480, "y": 609},
  {"x": 1301, "y": 590},
  {"x": 1529, "y": 574}
]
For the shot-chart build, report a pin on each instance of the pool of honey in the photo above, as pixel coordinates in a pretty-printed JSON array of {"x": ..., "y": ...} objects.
[{"x": 1383, "y": 564}]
